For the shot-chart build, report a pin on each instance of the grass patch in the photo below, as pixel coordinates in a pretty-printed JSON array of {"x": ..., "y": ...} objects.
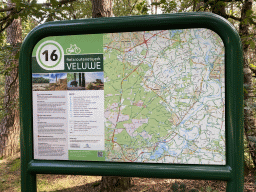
[
  {"x": 10, "y": 175},
  {"x": 10, "y": 179},
  {"x": 15, "y": 165},
  {"x": 61, "y": 182}
]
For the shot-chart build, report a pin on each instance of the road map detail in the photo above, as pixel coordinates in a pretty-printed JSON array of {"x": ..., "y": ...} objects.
[{"x": 164, "y": 97}]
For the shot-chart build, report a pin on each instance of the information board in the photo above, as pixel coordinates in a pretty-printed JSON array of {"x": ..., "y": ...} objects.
[
  {"x": 144, "y": 96},
  {"x": 150, "y": 96}
]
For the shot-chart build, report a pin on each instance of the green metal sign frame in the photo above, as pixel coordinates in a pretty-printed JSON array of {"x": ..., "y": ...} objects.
[{"x": 232, "y": 172}]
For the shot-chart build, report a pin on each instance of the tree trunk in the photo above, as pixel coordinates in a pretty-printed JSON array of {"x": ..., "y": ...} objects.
[
  {"x": 103, "y": 8},
  {"x": 115, "y": 184},
  {"x": 10, "y": 125},
  {"x": 249, "y": 126}
]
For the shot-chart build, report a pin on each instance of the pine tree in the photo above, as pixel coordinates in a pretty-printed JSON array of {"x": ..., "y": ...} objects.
[{"x": 10, "y": 125}]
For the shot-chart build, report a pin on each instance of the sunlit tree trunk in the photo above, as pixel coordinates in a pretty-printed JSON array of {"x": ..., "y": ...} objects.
[
  {"x": 9, "y": 127},
  {"x": 103, "y": 8},
  {"x": 244, "y": 26},
  {"x": 249, "y": 125}
]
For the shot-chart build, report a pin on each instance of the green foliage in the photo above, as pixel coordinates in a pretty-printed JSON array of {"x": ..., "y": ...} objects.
[
  {"x": 79, "y": 9},
  {"x": 90, "y": 86},
  {"x": 124, "y": 7},
  {"x": 247, "y": 156},
  {"x": 70, "y": 77},
  {"x": 208, "y": 189},
  {"x": 142, "y": 8},
  {"x": 51, "y": 12},
  {"x": 178, "y": 188},
  {"x": 182, "y": 187},
  {"x": 40, "y": 80},
  {"x": 168, "y": 6},
  {"x": 27, "y": 25},
  {"x": 175, "y": 187},
  {"x": 193, "y": 190}
]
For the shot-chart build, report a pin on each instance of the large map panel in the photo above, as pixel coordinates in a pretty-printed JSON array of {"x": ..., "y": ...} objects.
[{"x": 164, "y": 97}]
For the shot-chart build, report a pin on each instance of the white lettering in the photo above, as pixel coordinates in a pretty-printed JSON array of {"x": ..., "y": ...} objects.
[
  {"x": 98, "y": 65},
  {"x": 92, "y": 65},
  {"x": 69, "y": 66},
  {"x": 73, "y": 66}
]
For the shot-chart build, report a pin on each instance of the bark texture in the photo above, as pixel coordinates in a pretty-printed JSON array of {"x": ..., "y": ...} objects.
[
  {"x": 112, "y": 183},
  {"x": 249, "y": 125},
  {"x": 10, "y": 125},
  {"x": 101, "y": 8},
  {"x": 219, "y": 7}
]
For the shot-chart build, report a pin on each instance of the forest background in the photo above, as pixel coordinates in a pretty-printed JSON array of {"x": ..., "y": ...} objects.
[{"x": 19, "y": 17}]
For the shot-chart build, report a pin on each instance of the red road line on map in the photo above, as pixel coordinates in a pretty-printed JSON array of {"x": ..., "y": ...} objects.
[
  {"x": 124, "y": 154},
  {"x": 144, "y": 41},
  {"x": 121, "y": 150},
  {"x": 166, "y": 141}
]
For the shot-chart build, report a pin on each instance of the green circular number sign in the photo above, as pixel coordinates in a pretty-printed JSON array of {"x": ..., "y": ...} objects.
[{"x": 49, "y": 55}]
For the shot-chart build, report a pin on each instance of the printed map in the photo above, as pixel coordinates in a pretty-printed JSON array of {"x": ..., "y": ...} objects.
[{"x": 165, "y": 97}]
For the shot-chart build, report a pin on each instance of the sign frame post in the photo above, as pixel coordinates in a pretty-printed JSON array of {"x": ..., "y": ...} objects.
[{"x": 232, "y": 172}]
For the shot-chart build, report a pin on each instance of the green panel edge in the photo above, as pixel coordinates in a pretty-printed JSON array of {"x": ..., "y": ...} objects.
[{"x": 231, "y": 172}]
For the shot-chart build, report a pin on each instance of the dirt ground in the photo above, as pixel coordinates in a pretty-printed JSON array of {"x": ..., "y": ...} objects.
[{"x": 167, "y": 185}]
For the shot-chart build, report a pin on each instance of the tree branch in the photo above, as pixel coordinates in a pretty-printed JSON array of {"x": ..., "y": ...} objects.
[
  {"x": 7, "y": 9},
  {"x": 133, "y": 6},
  {"x": 6, "y": 21},
  {"x": 59, "y": 3}
]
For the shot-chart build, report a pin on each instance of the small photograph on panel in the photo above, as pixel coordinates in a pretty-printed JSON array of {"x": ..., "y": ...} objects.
[
  {"x": 40, "y": 82},
  {"x": 94, "y": 81},
  {"x": 76, "y": 81},
  {"x": 58, "y": 81}
]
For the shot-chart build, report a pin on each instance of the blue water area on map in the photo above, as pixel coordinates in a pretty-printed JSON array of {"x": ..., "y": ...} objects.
[
  {"x": 206, "y": 58},
  {"x": 162, "y": 147},
  {"x": 187, "y": 133},
  {"x": 169, "y": 72},
  {"x": 203, "y": 41},
  {"x": 174, "y": 32},
  {"x": 184, "y": 146},
  {"x": 173, "y": 153},
  {"x": 189, "y": 117}
]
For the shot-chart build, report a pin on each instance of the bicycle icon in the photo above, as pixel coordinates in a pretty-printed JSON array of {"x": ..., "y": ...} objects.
[{"x": 73, "y": 49}]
